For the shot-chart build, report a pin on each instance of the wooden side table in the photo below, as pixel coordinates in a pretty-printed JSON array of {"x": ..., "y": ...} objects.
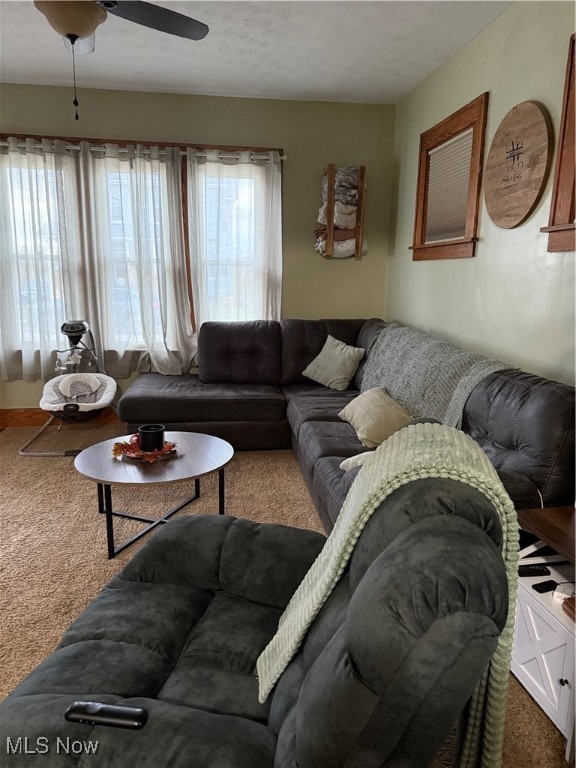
[
  {"x": 554, "y": 526},
  {"x": 197, "y": 455}
]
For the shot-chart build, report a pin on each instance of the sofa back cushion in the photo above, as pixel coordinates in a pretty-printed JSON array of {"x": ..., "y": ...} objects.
[
  {"x": 366, "y": 338},
  {"x": 395, "y": 652},
  {"x": 526, "y": 426},
  {"x": 239, "y": 353},
  {"x": 302, "y": 340}
]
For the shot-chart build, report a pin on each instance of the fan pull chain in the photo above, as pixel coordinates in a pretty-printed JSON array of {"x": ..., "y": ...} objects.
[{"x": 73, "y": 39}]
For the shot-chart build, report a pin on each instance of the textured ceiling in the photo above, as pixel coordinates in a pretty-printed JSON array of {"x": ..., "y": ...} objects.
[{"x": 350, "y": 51}]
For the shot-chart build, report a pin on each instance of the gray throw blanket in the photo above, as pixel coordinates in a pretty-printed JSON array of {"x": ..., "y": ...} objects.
[{"x": 428, "y": 376}]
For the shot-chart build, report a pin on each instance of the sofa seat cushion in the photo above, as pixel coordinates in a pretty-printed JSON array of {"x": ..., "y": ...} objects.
[
  {"x": 216, "y": 669},
  {"x": 322, "y": 406},
  {"x": 221, "y": 691},
  {"x": 175, "y": 736},
  {"x": 328, "y": 438},
  {"x": 311, "y": 388},
  {"x": 120, "y": 645},
  {"x": 231, "y": 634},
  {"x": 154, "y": 397},
  {"x": 330, "y": 485},
  {"x": 111, "y": 616}
]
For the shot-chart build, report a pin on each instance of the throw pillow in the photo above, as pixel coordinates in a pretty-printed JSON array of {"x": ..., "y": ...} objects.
[
  {"x": 375, "y": 416},
  {"x": 356, "y": 461},
  {"x": 335, "y": 364}
]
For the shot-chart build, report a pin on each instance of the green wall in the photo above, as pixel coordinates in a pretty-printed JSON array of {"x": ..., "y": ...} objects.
[
  {"x": 513, "y": 300},
  {"x": 311, "y": 134}
]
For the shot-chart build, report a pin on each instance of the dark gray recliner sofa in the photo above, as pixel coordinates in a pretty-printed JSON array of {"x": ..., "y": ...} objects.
[
  {"x": 250, "y": 391},
  {"x": 386, "y": 668}
]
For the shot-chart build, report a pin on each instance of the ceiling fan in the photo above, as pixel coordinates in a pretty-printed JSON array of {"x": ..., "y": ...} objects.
[{"x": 77, "y": 20}]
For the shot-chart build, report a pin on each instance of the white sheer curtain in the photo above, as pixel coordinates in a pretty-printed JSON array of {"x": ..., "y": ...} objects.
[
  {"x": 142, "y": 295},
  {"x": 39, "y": 258},
  {"x": 235, "y": 230},
  {"x": 96, "y": 236}
]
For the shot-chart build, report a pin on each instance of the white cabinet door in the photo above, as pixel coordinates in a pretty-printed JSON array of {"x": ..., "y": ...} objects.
[{"x": 543, "y": 659}]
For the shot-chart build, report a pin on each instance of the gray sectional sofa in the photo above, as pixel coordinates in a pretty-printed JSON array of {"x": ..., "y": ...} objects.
[
  {"x": 394, "y": 655},
  {"x": 250, "y": 390}
]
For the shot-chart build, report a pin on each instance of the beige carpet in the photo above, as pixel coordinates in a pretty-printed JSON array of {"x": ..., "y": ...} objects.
[{"x": 53, "y": 553}]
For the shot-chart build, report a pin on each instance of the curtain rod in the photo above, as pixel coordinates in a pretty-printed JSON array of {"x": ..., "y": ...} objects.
[{"x": 201, "y": 153}]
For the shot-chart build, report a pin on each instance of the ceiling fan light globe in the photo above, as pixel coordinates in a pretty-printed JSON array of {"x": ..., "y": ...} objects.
[{"x": 72, "y": 17}]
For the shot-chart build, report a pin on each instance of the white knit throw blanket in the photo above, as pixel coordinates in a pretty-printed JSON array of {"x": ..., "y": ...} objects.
[{"x": 415, "y": 452}]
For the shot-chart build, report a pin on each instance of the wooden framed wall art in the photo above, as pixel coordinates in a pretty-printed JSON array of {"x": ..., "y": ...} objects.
[{"x": 518, "y": 164}]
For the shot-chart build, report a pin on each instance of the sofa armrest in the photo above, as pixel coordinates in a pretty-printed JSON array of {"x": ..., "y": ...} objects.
[
  {"x": 261, "y": 562},
  {"x": 522, "y": 491},
  {"x": 525, "y": 424}
]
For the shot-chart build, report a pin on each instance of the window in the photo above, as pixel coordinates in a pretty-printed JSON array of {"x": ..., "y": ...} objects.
[
  {"x": 230, "y": 264},
  {"x": 448, "y": 191},
  {"x": 35, "y": 250},
  {"x": 561, "y": 227},
  {"x": 236, "y": 255},
  {"x": 38, "y": 260},
  {"x": 134, "y": 232},
  {"x": 101, "y": 232},
  {"x": 448, "y": 175}
]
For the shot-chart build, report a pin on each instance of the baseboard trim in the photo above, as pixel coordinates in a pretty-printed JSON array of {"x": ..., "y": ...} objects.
[{"x": 35, "y": 417}]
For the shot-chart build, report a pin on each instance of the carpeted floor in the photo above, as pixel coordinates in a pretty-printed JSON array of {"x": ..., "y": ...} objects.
[{"x": 53, "y": 553}]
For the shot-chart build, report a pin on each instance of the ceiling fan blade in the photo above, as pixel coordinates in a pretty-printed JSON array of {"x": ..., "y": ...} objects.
[
  {"x": 82, "y": 47},
  {"x": 156, "y": 17}
]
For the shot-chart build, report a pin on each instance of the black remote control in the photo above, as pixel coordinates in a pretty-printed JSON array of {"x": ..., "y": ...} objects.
[
  {"x": 533, "y": 570},
  {"x": 545, "y": 586},
  {"x": 116, "y": 715}
]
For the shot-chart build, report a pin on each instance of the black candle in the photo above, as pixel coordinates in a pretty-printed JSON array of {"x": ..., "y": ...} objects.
[{"x": 151, "y": 437}]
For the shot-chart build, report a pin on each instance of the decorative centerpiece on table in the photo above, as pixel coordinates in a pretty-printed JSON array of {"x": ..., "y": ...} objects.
[{"x": 130, "y": 449}]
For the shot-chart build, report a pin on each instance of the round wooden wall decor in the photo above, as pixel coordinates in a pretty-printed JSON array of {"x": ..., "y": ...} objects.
[{"x": 518, "y": 164}]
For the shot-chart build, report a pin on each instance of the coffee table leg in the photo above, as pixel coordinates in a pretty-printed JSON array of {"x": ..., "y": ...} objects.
[
  {"x": 105, "y": 507},
  {"x": 221, "y": 502}
]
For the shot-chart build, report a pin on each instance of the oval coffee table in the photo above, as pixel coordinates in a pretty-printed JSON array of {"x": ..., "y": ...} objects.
[{"x": 196, "y": 455}]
